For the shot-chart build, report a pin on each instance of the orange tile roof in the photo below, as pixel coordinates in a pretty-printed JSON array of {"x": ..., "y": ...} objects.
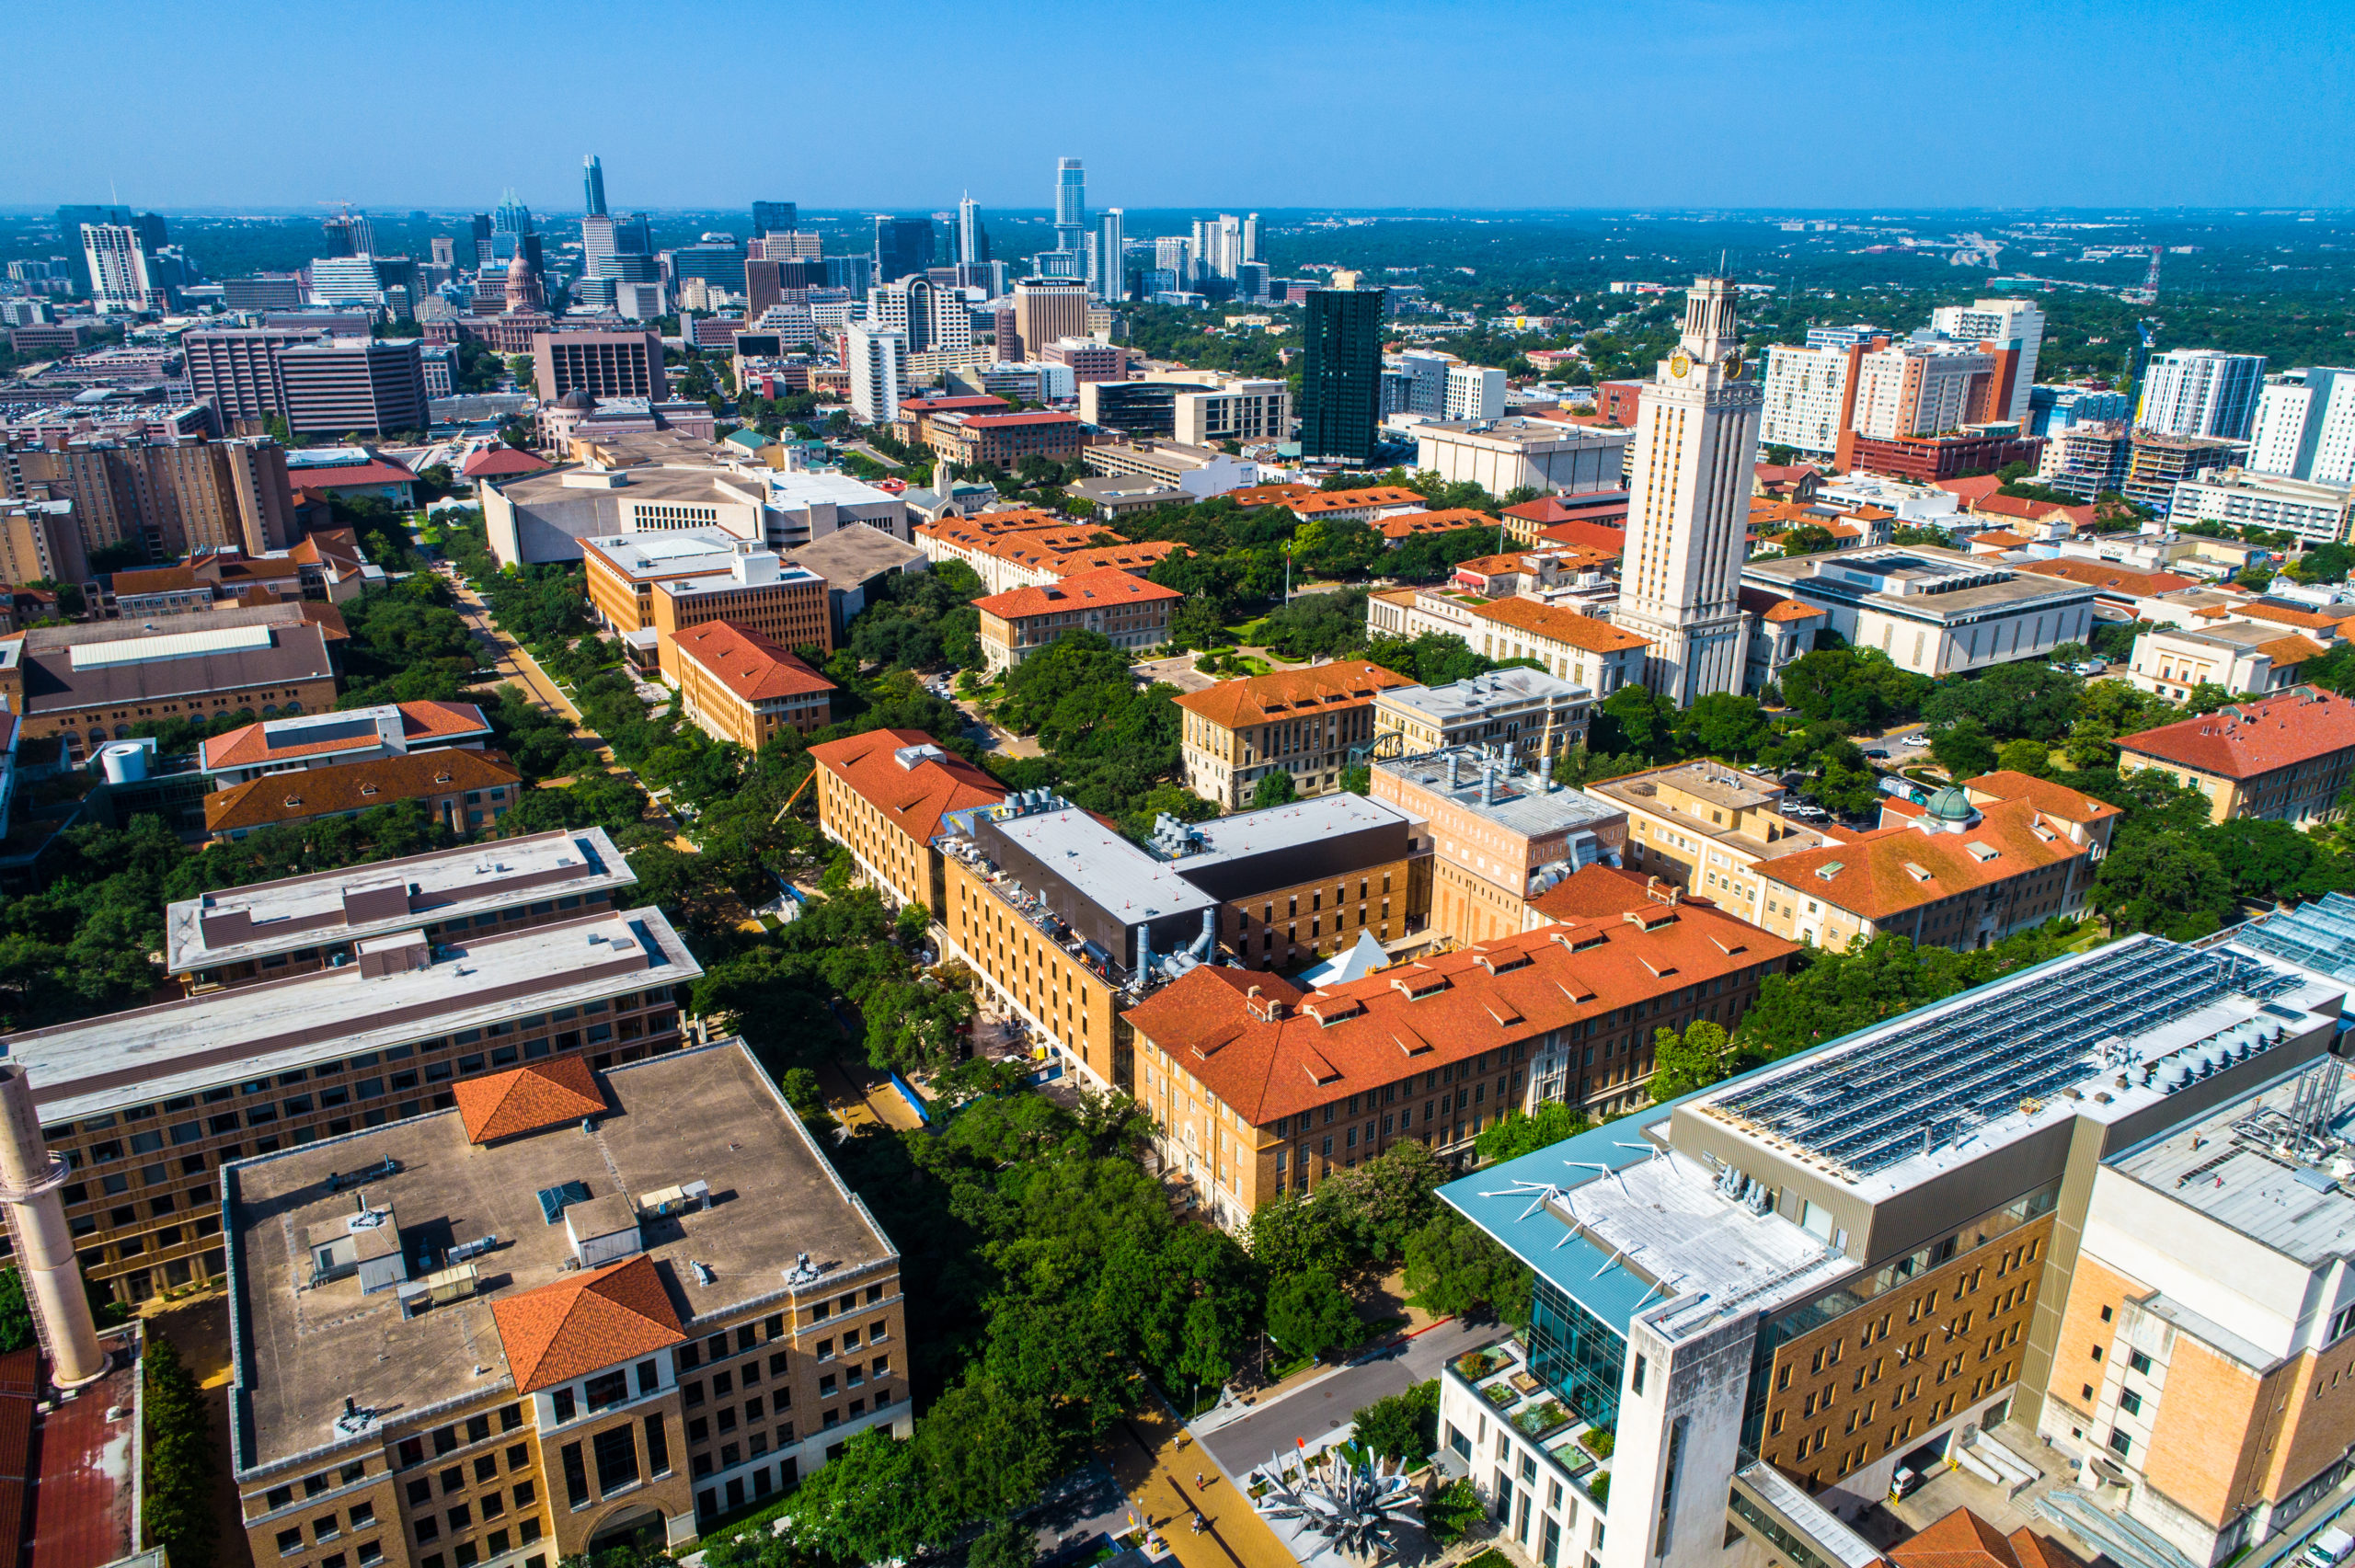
[
  {"x": 2030, "y": 511},
  {"x": 1286, "y": 693},
  {"x": 2114, "y": 578},
  {"x": 2292, "y": 649},
  {"x": 1551, "y": 509},
  {"x": 497, "y": 462},
  {"x": 1491, "y": 566},
  {"x": 276, "y": 798},
  {"x": 1318, "y": 502},
  {"x": 526, "y": 1099},
  {"x": 1963, "y": 1540},
  {"x": 1266, "y": 495},
  {"x": 1310, "y": 1050},
  {"x": 1134, "y": 557},
  {"x": 1557, "y": 624},
  {"x": 755, "y": 666},
  {"x": 2052, "y": 799},
  {"x": 2252, "y": 737},
  {"x": 911, "y": 799},
  {"x": 1774, "y": 607},
  {"x": 1977, "y": 487},
  {"x": 2280, "y": 614},
  {"x": 1405, "y": 525},
  {"x": 2002, "y": 538},
  {"x": 584, "y": 1324},
  {"x": 248, "y": 745},
  {"x": 1873, "y": 876},
  {"x": 1611, "y": 541},
  {"x": 1098, "y": 590}
]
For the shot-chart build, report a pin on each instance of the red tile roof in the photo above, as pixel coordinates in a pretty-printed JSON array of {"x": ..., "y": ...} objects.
[
  {"x": 248, "y": 745},
  {"x": 1311, "y": 1050},
  {"x": 1774, "y": 607},
  {"x": 2253, "y": 737},
  {"x": 351, "y": 476},
  {"x": 1557, "y": 624},
  {"x": 1287, "y": 693},
  {"x": 1978, "y": 488},
  {"x": 2280, "y": 614},
  {"x": 586, "y": 1324},
  {"x": 755, "y": 666},
  {"x": 1264, "y": 495},
  {"x": 2031, "y": 511},
  {"x": 499, "y": 462},
  {"x": 526, "y": 1099},
  {"x": 2111, "y": 578},
  {"x": 911, "y": 799},
  {"x": 1550, "y": 510},
  {"x": 1136, "y": 557},
  {"x": 949, "y": 404},
  {"x": 1100, "y": 588},
  {"x": 1007, "y": 421}
]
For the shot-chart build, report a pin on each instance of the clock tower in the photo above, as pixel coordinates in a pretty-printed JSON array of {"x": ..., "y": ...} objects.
[{"x": 1696, "y": 438}]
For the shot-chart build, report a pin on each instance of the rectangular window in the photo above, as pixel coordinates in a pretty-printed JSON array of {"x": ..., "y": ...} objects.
[
  {"x": 576, "y": 1477},
  {"x": 657, "y": 1447},
  {"x": 616, "y": 1458},
  {"x": 606, "y": 1390}
]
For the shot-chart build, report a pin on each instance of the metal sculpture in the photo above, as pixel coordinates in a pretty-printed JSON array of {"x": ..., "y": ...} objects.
[{"x": 1356, "y": 1511}]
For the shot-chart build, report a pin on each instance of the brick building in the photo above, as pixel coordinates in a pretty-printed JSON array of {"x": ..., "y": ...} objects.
[
  {"x": 1130, "y": 611},
  {"x": 738, "y": 684},
  {"x": 1003, "y": 441},
  {"x": 1307, "y": 722}
]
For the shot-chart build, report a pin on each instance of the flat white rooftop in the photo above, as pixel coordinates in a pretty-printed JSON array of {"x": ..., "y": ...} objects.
[
  {"x": 801, "y": 488},
  {"x": 240, "y": 923},
  {"x": 1106, "y": 869},
  {"x": 167, "y": 645},
  {"x": 1479, "y": 694},
  {"x": 181, "y": 1048},
  {"x": 1248, "y": 833}
]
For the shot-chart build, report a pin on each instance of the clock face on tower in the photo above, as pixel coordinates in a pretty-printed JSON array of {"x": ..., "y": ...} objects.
[
  {"x": 1732, "y": 364},
  {"x": 1680, "y": 365}
]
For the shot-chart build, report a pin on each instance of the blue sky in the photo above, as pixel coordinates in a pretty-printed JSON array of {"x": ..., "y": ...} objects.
[{"x": 1392, "y": 103}]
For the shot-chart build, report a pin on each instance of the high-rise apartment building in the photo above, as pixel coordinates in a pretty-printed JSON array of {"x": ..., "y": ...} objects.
[
  {"x": 345, "y": 280},
  {"x": 1341, "y": 389},
  {"x": 348, "y": 233},
  {"x": 2011, "y": 330},
  {"x": 926, "y": 317},
  {"x": 117, "y": 257},
  {"x": 444, "y": 251},
  {"x": 2304, "y": 426},
  {"x": 603, "y": 364},
  {"x": 1251, "y": 237},
  {"x": 374, "y": 386},
  {"x": 2201, "y": 393},
  {"x": 774, "y": 218},
  {"x": 1697, "y": 431},
  {"x": 1921, "y": 388},
  {"x": 1046, "y": 309},
  {"x": 236, "y": 369},
  {"x": 1474, "y": 391},
  {"x": 168, "y": 498},
  {"x": 1071, "y": 205},
  {"x": 972, "y": 240},
  {"x": 1809, "y": 395},
  {"x": 878, "y": 358}
]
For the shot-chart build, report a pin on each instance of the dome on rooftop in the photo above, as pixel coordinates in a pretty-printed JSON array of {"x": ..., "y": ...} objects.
[
  {"x": 578, "y": 398},
  {"x": 1950, "y": 804}
]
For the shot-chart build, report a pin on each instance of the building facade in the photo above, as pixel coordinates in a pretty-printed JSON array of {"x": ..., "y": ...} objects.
[
  {"x": 739, "y": 685},
  {"x": 2201, "y": 393},
  {"x": 2304, "y": 426},
  {"x": 1340, "y": 392},
  {"x": 1310, "y": 724},
  {"x": 603, "y": 364},
  {"x": 1132, "y": 613},
  {"x": 2286, "y": 757}
]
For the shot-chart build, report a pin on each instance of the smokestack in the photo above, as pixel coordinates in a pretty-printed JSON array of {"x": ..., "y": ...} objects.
[
  {"x": 29, "y": 1177},
  {"x": 1488, "y": 782},
  {"x": 1144, "y": 953}
]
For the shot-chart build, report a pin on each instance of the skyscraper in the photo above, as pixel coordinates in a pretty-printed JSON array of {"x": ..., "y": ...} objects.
[
  {"x": 2305, "y": 426},
  {"x": 902, "y": 246},
  {"x": 1340, "y": 386},
  {"x": 510, "y": 217},
  {"x": 877, "y": 359},
  {"x": 1229, "y": 245},
  {"x": 1696, "y": 429},
  {"x": 2012, "y": 330},
  {"x": 775, "y": 218},
  {"x": 1106, "y": 272},
  {"x": 1046, "y": 309},
  {"x": 972, "y": 240},
  {"x": 1251, "y": 237},
  {"x": 349, "y": 234},
  {"x": 1071, "y": 205},
  {"x": 593, "y": 186}
]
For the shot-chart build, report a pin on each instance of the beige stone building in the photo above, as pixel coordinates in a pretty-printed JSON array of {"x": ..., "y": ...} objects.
[
  {"x": 881, "y": 796},
  {"x": 737, "y": 684},
  {"x": 2286, "y": 757},
  {"x": 1131, "y": 613},
  {"x": 462, "y": 1344},
  {"x": 1307, "y": 722}
]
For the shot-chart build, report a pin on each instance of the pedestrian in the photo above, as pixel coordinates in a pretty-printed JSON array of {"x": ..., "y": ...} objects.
[
  {"x": 1199, "y": 1482},
  {"x": 1198, "y": 1524}
]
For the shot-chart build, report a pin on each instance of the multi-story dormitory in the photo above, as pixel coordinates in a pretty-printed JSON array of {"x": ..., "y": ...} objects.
[{"x": 325, "y": 1004}]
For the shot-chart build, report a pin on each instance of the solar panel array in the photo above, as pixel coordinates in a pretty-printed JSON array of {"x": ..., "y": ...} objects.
[
  {"x": 1868, "y": 1107},
  {"x": 2318, "y": 935}
]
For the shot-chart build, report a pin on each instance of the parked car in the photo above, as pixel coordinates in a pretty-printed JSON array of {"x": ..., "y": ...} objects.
[
  {"x": 2329, "y": 1549},
  {"x": 1904, "y": 1483}
]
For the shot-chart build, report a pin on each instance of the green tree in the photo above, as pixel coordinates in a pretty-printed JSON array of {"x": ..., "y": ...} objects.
[
  {"x": 1004, "y": 1543},
  {"x": 2033, "y": 758},
  {"x": 1808, "y": 539},
  {"x": 2011, "y": 701},
  {"x": 1274, "y": 788},
  {"x": 2162, "y": 883},
  {"x": 1703, "y": 1055},
  {"x": 912, "y": 924},
  {"x": 177, "y": 1500},
  {"x": 1453, "y": 1268},
  {"x": 1963, "y": 749},
  {"x": 1513, "y": 1135},
  {"x": 1309, "y": 1313},
  {"x": 1634, "y": 719},
  {"x": 1358, "y": 778},
  {"x": 16, "y": 1313},
  {"x": 1404, "y": 1426},
  {"x": 1454, "y": 1512}
]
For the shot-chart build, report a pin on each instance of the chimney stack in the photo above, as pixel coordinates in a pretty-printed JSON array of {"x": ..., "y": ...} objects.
[{"x": 29, "y": 1177}]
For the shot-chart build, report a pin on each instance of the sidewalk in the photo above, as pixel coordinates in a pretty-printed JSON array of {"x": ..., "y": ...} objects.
[{"x": 1158, "y": 1478}]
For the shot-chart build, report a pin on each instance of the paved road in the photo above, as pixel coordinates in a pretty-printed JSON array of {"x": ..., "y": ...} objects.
[{"x": 1317, "y": 1408}]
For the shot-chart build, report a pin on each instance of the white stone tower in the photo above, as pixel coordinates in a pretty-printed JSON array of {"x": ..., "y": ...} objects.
[
  {"x": 1697, "y": 436},
  {"x": 29, "y": 1177}
]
